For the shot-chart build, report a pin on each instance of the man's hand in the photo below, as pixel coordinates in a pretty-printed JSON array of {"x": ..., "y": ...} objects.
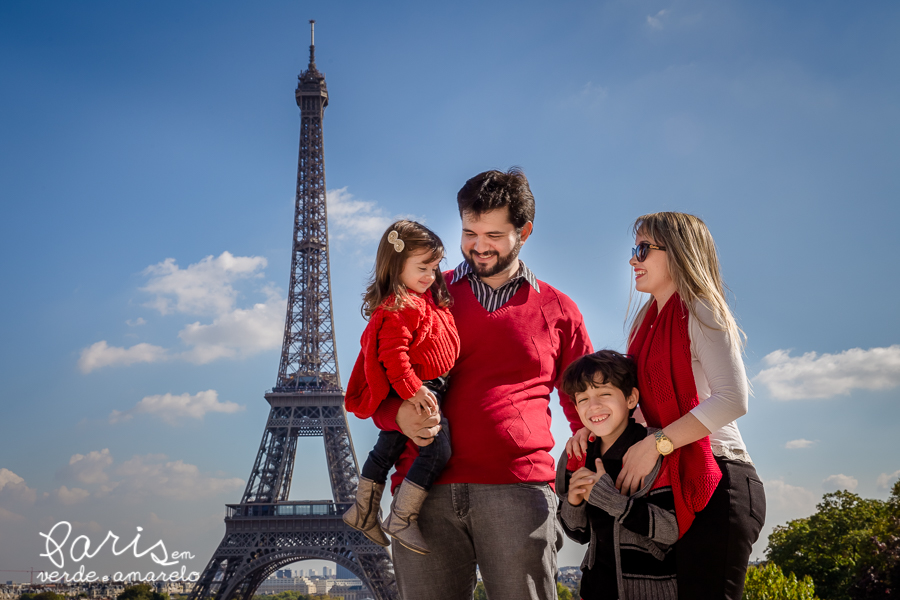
[
  {"x": 577, "y": 444},
  {"x": 424, "y": 401},
  {"x": 581, "y": 484},
  {"x": 637, "y": 463},
  {"x": 421, "y": 429}
]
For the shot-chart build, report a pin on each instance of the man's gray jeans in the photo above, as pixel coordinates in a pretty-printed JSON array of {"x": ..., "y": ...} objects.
[{"x": 509, "y": 531}]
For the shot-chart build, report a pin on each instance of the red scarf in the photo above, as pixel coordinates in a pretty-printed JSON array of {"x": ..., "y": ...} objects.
[{"x": 662, "y": 349}]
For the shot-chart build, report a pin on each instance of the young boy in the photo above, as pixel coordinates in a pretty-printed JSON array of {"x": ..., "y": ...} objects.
[{"x": 629, "y": 555}]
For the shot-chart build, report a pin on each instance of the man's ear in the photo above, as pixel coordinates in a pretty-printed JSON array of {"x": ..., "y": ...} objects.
[
  {"x": 526, "y": 231},
  {"x": 634, "y": 397}
]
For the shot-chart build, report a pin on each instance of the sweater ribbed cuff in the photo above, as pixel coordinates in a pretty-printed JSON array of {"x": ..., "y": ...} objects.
[
  {"x": 605, "y": 496},
  {"x": 575, "y": 517},
  {"x": 407, "y": 387}
]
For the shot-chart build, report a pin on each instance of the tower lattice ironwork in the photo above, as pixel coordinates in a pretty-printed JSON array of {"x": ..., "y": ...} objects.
[{"x": 266, "y": 531}]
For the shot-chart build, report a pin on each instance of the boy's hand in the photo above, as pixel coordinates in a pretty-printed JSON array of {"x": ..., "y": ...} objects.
[
  {"x": 581, "y": 484},
  {"x": 577, "y": 444},
  {"x": 600, "y": 470},
  {"x": 424, "y": 400}
]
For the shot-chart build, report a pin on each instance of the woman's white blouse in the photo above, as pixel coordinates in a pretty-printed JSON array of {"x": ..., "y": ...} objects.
[{"x": 721, "y": 383}]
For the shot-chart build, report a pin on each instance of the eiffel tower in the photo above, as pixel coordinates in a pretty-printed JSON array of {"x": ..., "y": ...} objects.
[{"x": 266, "y": 531}]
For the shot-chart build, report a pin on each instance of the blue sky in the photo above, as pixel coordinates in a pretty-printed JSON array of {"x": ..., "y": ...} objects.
[{"x": 148, "y": 168}]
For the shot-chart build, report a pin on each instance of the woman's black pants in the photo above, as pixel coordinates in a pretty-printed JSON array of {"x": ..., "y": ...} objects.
[{"x": 713, "y": 555}]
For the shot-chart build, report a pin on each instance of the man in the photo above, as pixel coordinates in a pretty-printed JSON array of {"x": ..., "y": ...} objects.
[{"x": 493, "y": 506}]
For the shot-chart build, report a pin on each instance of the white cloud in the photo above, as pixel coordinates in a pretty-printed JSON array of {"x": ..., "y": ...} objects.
[
  {"x": 827, "y": 375},
  {"x": 359, "y": 219},
  {"x": 67, "y": 496},
  {"x": 136, "y": 322},
  {"x": 174, "y": 408},
  {"x": 789, "y": 500},
  {"x": 153, "y": 475},
  {"x": 886, "y": 481},
  {"x": 8, "y": 477},
  {"x": 88, "y": 468},
  {"x": 239, "y": 333},
  {"x": 656, "y": 21},
  {"x": 834, "y": 483},
  {"x": 15, "y": 495},
  {"x": 102, "y": 354},
  {"x": 202, "y": 288},
  {"x": 10, "y": 516},
  {"x": 801, "y": 443}
]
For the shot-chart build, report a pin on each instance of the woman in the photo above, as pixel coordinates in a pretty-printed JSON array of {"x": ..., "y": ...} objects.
[{"x": 688, "y": 349}]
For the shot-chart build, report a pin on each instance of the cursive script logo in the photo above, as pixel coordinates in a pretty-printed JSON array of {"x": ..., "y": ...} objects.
[{"x": 80, "y": 548}]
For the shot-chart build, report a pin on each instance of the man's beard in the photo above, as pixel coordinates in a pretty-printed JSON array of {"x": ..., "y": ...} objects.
[{"x": 502, "y": 263}]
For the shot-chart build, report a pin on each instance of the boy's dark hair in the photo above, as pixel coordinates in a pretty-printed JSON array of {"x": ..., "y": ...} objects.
[
  {"x": 608, "y": 366},
  {"x": 493, "y": 189}
]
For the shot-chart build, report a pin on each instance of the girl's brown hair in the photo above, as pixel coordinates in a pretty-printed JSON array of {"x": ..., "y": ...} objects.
[{"x": 389, "y": 265}]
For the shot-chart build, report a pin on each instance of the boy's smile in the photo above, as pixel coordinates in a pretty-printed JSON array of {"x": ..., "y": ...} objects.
[{"x": 604, "y": 409}]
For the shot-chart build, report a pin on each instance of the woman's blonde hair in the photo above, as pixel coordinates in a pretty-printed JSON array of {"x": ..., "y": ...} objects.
[
  {"x": 693, "y": 265},
  {"x": 412, "y": 238}
]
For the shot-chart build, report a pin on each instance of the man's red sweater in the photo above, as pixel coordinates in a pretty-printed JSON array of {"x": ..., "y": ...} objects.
[{"x": 498, "y": 405}]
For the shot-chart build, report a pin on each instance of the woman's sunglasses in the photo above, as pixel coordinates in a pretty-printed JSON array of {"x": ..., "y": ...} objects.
[{"x": 643, "y": 249}]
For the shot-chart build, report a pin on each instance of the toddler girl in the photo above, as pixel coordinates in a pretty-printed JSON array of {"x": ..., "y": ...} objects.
[{"x": 408, "y": 348}]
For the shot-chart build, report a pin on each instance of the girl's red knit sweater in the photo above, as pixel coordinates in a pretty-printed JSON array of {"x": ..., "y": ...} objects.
[
  {"x": 400, "y": 349},
  {"x": 498, "y": 404}
]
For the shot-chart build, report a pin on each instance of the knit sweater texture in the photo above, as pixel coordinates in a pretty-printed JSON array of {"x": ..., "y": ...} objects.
[
  {"x": 629, "y": 538},
  {"x": 662, "y": 350},
  {"x": 399, "y": 349},
  {"x": 498, "y": 404}
]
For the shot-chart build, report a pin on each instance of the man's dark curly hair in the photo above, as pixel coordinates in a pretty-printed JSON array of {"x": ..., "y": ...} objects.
[{"x": 493, "y": 189}]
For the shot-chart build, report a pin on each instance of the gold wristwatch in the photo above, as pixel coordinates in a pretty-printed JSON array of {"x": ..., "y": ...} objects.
[{"x": 663, "y": 444}]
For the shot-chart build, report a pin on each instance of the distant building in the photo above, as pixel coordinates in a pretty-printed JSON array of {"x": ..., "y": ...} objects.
[
  {"x": 326, "y": 572},
  {"x": 570, "y": 577},
  {"x": 344, "y": 573},
  {"x": 276, "y": 585},
  {"x": 356, "y": 592},
  {"x": 323, "y": 586}
]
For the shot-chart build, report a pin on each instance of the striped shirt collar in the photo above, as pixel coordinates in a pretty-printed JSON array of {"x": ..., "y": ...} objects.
[
  {"x": 488, "y": 297},
  {"x": 523, "y": 273}
]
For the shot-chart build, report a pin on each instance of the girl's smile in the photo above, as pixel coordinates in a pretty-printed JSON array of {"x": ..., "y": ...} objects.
[{"x": 419, "y": 271}]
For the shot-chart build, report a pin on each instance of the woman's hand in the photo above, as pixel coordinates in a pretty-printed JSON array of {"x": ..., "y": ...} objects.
[
  {"x": 424, "y": 401},
  {"x": 577, "y": 444},
  {"x": 582, "y": 482},
  {"x": 637, "y": 463}
]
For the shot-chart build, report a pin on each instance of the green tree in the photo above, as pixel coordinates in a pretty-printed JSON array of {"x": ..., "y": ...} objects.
[
  {"x": 767, "y": 582},
  {"x": 879, "y": 572},
  {"x": 480, "y": 594},
  {"x": 42, "y": 596},
  {"x": 141, "y": 591},
  {"x": 829, "y": 545}
]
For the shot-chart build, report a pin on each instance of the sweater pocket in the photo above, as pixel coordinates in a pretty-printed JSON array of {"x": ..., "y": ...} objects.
[
  {"x": 543, "y": 358},
  {"x": 519, "y": 431}
]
